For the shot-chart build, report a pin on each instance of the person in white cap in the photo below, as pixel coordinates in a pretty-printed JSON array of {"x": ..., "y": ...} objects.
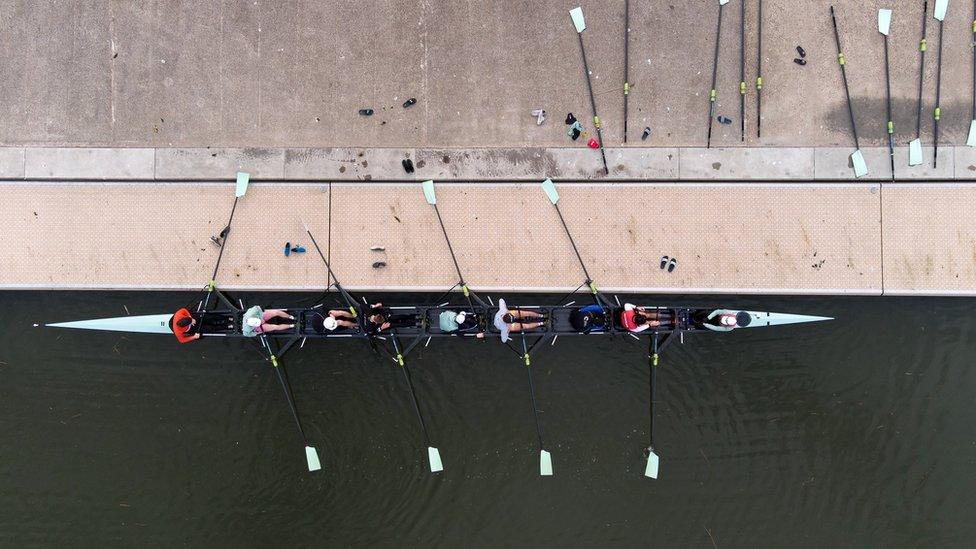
[
  {"x": 335, "y": 318},
  {"x": 255, "y": 321},
  {"x": 452, "y": 322}
]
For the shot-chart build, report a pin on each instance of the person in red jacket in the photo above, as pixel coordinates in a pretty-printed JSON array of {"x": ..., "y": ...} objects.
[
  {"x": 638, "y": 319},
  {"x": 184, "y": 326}
]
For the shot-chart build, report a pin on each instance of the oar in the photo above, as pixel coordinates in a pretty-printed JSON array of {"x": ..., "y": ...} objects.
[
  {"x": 971, "y": 140},
  {"x": 550, "y": 189},
  {"x": 742, "y": 69},
  {"x": 915, "y": 145},
  {"x": 311, "y": 455},
  {"x": 349, "y": 299},
  {"x": 653, "y": 461},
  {"x": 857, "y": 158},
  {"x": 577, "y": 15},
  {"x": 711, "y": 93},
  {"x": 759, "y": 80},
  {"x": 242, "y": 181},
  {"x": 939, "y": 14},
  {"x": 545, "y": 458},
  {"x": 433, "y": 454},
  {"x": 627, "y": 62},
  {"x": 431, "y": 197},
  {"x": 884, "y": 25}
]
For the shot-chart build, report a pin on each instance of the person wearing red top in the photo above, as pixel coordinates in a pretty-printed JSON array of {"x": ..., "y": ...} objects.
[
  {"x": 184, "y": 326},
  {"x": 638, "y": 319}
]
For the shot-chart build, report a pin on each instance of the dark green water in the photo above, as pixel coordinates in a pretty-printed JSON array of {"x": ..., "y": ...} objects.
[{"x": 856, "y": 432}]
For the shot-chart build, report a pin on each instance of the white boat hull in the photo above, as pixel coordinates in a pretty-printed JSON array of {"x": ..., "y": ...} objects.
[
  {"x": 146, "y": 324},
  {"x": 763, "y": 319}
]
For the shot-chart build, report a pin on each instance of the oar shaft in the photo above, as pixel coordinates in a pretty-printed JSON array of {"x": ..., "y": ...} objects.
[
  {"x": 742, "y": 69},
  {"x": 922, "y": 46},
  {"x": 413, "y": 393},
  {"x": 652, "y": 382},
  {"x": 286, "y": 387},
  {"x": 759, "y": 76},
  {"x": 889, "y": 126},
  {"x": 450, "y": 248},
  {"x": 223, "y": 242},
  {"x": 573, "y": 242},
  {"x": 626, "y": 62},
  {"x": 351, "y": 302},
  {"x": 535, "y": 407},
  {"x": 938, "y": 98},
  {"x": 843, "y": 72},
  {"x": 711, "y": 92},
  {"x": 589, "y": 88}
]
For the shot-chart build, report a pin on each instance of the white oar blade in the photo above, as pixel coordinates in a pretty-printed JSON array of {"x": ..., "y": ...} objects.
[
  {"x": 860, "y": 166},
  {"x": 915, "y": 151},
  {"x": 577, "y": 15},
  {"x": 550, "y": 190},
  {"x": 313, "y": 459},
  {"x": 545, "y": 463},
  {"x": 884, "y": 21},
  {"x": 653, "y": 463},
  {"x": 971, "y": 140},
  {"x": 434, "y": 457},
  {"x": 940, "y": 9},
  {"x": 243, "y": 178},
  {"x": 723, "y": 2},
  {"x": 429, "y": 192}
]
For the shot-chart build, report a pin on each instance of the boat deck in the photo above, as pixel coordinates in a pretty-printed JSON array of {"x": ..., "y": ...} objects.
[{"x": 728, "y": 237}]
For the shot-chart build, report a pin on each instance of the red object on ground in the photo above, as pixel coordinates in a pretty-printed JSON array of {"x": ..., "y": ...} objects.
[{"x": 593, "y": 144}]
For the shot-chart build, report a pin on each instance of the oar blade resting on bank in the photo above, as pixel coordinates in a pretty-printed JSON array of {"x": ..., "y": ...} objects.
[{"x": 578, "y": 22}]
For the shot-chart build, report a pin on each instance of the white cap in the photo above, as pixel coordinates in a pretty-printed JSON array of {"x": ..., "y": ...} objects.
[
  {"x": 330, "y": 323},
  {"x": 728, "y": 320},
  {"x": 460, "y": 317},
  {"x": 254, "y": 321}
]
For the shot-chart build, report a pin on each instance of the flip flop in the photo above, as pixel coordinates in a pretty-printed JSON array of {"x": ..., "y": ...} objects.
[
  {"x": 664, "y": 261},
  {"x": 379, "y": 265},
  {"x": 672, "y": 264},
  {"x": 799, "y": 61},
  {"x": 724, "y": 120},
  {"x": 410, "y": 102},
  {"x": 800, "y": 51},
  {"x": 287, "y": 249},
  {"x": 298, "y": 249}
]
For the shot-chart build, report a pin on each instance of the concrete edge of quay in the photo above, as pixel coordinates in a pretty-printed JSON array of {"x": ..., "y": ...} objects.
[{"x": 478, "y": 164}]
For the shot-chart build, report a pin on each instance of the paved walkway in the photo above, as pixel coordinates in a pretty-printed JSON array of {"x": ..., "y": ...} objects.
[
  {"x": 261, "y": 73},
  {"x": 801, "y": 164},
  {"x": 739, "y": 238}
]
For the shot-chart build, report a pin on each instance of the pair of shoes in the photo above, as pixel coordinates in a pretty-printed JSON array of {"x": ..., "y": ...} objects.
[{"x": 670, "y": 264}]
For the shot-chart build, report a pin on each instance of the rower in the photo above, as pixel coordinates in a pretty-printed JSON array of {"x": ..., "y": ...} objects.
[
  {"x": 590, "y": 318},
  {"x": 453, "y": 322},
  {"x": 380, "y": 319},
  {"x": 724, "y": 320},
  {"x": 331, "y": 321},
  {"x": 256, "y": 321},
  {"x": 184, "y": 326},
  {"x": 512, "y": 321},
  {"x": 637, "y": 319}
]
